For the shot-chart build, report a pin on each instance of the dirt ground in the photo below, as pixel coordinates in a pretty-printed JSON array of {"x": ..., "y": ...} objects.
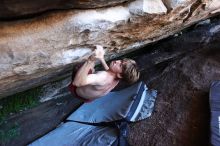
[
  {"x": 180, "y": 69},
  {"x": 181, "y": 115}
]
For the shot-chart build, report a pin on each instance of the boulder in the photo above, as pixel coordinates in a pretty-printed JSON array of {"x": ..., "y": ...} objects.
[
  {"x": 43, "y": 48},
  {"x": 11, "y": 9}
]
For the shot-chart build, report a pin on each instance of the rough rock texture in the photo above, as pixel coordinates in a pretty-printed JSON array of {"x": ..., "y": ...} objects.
[
  {"x": 11, "y": 9},
  {"x": 181, "y": 68},
  {"x": 36, "y": 50},
  {"x": 181, "y": 116}
]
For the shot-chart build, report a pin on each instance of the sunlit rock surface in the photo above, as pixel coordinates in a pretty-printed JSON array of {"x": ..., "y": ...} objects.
[
  {"x": 39, "y": 49},
  {"x": 11, "y": 9}
]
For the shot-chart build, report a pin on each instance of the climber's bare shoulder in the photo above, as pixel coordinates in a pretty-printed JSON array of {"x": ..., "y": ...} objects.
[{"x": 99, "y": 84}]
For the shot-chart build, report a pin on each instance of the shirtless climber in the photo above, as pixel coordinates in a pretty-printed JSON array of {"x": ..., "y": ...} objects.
[{"x": 88, "y": 86}]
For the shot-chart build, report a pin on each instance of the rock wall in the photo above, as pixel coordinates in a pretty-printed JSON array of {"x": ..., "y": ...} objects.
[
  {"x": 12, "y": 9},
  {"x": 36, "y": 50}
]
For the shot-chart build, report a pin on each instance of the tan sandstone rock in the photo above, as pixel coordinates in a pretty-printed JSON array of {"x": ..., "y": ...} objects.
[{"x": 40, "y": 49}]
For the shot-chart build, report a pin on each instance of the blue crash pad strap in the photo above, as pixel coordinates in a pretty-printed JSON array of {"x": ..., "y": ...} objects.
[
  {"x": 106, "y": 124},
  {"x": 136, "y": 102},
  {"x": 123, "y": 125},
  {"x": 123, "y": 133}
]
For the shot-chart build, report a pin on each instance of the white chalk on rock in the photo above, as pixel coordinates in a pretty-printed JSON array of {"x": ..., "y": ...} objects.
[{"x": 154, "y": 7}]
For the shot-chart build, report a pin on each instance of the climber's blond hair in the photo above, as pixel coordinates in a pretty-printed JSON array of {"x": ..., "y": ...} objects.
[{"x": 130, "y": 71}]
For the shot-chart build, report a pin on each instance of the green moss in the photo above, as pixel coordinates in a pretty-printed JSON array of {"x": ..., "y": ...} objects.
[
  {"x": 11, "y": 132},
  {"x": 18, "y": 102},
  {"x": 14, "y": 104}
]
